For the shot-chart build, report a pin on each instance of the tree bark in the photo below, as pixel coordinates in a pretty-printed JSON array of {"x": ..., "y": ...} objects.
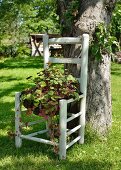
[
  {"x": 99, "y": 110},
  {"x": 85, "y": 19}
]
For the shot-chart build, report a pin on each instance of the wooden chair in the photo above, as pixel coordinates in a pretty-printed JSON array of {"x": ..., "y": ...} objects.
[{"x": 64, "y": 118}]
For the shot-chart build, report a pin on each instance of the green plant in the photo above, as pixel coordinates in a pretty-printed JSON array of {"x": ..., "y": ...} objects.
[
  {"x": 70, "y": 14},
  {"x": 72, "y": 10},
  {"x": 50, "y": 86},
  {"x": 102, "y": 41},
  {"x": 116, "y": 22},
  {"x": 23, "y": 49}
]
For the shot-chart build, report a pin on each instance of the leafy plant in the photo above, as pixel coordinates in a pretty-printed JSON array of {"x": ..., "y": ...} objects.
[
  {"x": 50, "y": 85},
  {"x": 102, "y": 41},
  {"x": 70, "y": 14},
  {"x": 108, "y": 39},
  {"x": 116, "y": 22}
]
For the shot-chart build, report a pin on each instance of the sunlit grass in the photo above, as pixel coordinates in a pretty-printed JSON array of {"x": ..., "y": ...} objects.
[{"x": 95, "y": 154}]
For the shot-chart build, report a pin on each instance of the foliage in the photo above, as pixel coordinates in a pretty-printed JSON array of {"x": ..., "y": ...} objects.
[
  {"x": 102, "y": 41},
  {"x": 20, "y": 18},
  {"x": 70, "y": 14},
  {"x": 108, "y": 39},
  {"x": 50, "y": 86},
  {"x": 19, "y": 49},
  {"x": 22, "y": 49},
  {"x": 116, "y": 22},
  {"x": 72, "y": 11}
]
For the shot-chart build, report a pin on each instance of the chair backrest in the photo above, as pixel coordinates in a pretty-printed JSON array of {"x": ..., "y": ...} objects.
[{"x": 83, "y": 61}]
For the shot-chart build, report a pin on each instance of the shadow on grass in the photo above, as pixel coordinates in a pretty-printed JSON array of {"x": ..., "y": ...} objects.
[
  {"x": 6, "y": 114},
  {"x": 7, "y": 146},
  {"x": 7, "y": 108},
  {"x": 116, "y": 70},
  {"x": 28, "y": 62},
  {"x": 116, "y": 73},
  {"x": 74, "y": 165},
  {"x": 113, "y": 99},
  {"x": 35, "y": 156},
  {"x": 28, "y": 147},
  {"x": 15, "y": 88},
  {"x": 8, "y": 78},
  {"x": 34, "y": 149}
]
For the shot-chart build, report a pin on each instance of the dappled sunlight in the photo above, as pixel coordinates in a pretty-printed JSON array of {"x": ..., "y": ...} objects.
[
  {"x": 46, "y": 164},
  {"x": 5, "y": 132},
  {"x": 14, "y": 63},
  {"x": 27, "y": 161},
  {"x": 6, "y": 161}
]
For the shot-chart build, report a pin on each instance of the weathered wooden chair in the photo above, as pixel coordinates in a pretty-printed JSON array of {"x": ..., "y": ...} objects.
[{"x": 64, "y": 118}]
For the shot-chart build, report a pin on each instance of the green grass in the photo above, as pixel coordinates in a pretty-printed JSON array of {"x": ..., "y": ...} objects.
[{"x": 95, "y": 154}]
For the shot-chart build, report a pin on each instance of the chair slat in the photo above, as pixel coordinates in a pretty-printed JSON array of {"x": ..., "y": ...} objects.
[
  {"x": 65, "y": 60},
  {"x": 73, "y": 130},
  {"x": 38, "y": 140},
  {"x": 73, "y": 141},
  {"x": 37, "y": 133},
  {"x": 32, "y": 123},
  {"x": 65, "y": 40},
  {"x": 72, "y": 100},
  {"x": 73, "y": 116}
]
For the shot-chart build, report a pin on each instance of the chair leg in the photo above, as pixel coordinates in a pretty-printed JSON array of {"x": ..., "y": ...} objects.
[
  {"x": 48, "y": 123},
  {"x": 63, "y": 127},
  {"x": 18, "y": 140},
  {"x": 82, "y": 120}
]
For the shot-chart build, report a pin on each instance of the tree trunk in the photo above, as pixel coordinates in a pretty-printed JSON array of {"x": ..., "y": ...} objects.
[
  {"x": 85, "y": 15},
  {"x": 99, "y": 95}
]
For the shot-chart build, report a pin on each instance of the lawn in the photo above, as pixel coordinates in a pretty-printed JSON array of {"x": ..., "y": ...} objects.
[{"x": 95, "y": 154}]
